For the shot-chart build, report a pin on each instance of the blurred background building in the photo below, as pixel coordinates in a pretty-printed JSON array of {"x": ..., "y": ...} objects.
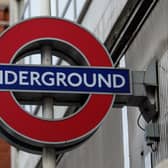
[{"x": 135, "y": 32}]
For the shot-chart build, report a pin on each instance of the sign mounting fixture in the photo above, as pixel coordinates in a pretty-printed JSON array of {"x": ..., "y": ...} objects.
[{"x": 95, "y": 76}]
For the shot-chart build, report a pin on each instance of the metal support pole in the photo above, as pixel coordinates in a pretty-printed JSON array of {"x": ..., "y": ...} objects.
[
  {"x": 45, "y": 8},
  {"x": 49, "y": 158},
  {"x": 14, "y": 12},
  {"x": 75, "y": 9},
  {"x": 49, "y": 154},
  {"x": 57, "y": 8}
]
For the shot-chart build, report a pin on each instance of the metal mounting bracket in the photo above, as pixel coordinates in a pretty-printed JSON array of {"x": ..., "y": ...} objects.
[
  {"x": 152, "y": 135},
  {"x": 144, "y": 93}
]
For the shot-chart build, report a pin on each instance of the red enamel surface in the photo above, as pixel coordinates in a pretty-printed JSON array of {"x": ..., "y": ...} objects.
[{"x": 68, "y": 129}]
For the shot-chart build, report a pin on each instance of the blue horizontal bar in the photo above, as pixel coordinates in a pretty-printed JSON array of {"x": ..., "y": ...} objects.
[{"x": 100, "y": 80}]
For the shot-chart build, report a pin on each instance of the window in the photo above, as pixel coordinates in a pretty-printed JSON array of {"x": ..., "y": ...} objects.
[{"x": 69, "y": 9}]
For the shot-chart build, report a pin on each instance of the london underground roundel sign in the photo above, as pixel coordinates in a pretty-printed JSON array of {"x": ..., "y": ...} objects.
[{"x": 97, "y": 79}]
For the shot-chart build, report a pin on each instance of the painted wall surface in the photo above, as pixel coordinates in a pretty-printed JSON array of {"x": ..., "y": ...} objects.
[
  {"x": 101, "y": 16},
  {"x": 136, "y": 139},
  {"x": 103, "y": 150},
  {"x": 163, "y": 164},
  {"x": 22, "y": 159},
  {"x": 150, "y": 43}
]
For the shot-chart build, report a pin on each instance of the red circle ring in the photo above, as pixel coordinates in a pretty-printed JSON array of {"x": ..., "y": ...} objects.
[{"x": 62, "y": 131}]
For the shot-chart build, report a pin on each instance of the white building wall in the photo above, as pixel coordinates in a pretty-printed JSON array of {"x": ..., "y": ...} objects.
[
  {"x": 163, "y": 164},
  {"x": 136, "y": 139},
  {"x": 151, "y": 43},
  {"x": 101, "y": 16},
  {"x": 103, "y": 150},
  {"x": 27, "y": 160}
]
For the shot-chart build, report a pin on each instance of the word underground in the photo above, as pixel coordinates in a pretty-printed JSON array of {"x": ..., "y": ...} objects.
[{"x": 13, "y": 77}]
